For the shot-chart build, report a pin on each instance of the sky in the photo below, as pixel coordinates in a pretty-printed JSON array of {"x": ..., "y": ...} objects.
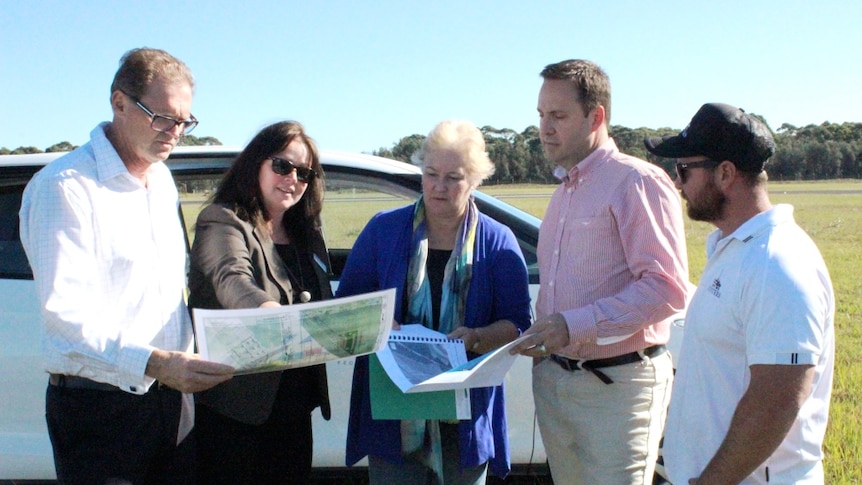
[{"x": 362, "y": 75}]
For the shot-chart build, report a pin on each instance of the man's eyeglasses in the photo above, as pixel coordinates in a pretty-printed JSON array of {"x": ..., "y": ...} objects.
[
  {"x": 682, "y": 167},
  {"x": 286, "y": 167},
  {"x": 166, "y": 123}
]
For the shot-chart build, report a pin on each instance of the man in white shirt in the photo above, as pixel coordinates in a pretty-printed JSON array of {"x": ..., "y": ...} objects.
[
  {"x": 101, "y": 230},
  {"x": 751, "y": 396}
]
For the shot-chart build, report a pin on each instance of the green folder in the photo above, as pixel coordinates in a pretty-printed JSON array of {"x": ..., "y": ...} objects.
[{"x": 388, "y": 402}]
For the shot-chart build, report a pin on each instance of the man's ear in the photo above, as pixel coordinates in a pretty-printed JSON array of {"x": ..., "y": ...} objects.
[
  {"x": 726, "y": 173},
  {"x": 598, "y": 115},
  {"x": 119, "y": 101}
]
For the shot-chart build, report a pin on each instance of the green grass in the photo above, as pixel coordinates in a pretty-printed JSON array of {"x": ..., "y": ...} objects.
[{"x": 831, "y": 213}]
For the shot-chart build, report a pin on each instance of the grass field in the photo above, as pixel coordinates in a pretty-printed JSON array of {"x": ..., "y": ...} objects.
[{"x": 831, "y": 212}]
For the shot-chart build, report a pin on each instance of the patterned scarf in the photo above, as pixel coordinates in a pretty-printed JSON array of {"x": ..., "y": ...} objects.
[
  {"x": 456, "y": 277},
  {"x": 422, "y": 437}
]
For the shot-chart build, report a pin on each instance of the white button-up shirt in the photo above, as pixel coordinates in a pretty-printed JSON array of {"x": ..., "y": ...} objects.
[{"x": 108, "y": 258}]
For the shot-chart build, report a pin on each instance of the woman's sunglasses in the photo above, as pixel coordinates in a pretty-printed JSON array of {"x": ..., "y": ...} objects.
[{"x": 286, "y": 167}]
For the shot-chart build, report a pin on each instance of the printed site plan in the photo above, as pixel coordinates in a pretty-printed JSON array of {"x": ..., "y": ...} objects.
[{"x": 268, "y": 339}]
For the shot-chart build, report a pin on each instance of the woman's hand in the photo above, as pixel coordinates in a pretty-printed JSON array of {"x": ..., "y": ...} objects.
[
  {"x": 471, "y": 336},
  {"x": 485, "y": 339}
]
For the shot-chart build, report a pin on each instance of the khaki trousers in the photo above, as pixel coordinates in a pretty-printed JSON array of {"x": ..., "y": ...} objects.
[{"x": 597, "y": 433}]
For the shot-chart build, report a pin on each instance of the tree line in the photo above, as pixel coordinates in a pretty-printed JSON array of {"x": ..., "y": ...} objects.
[
  {"x": 812, "y": 152},
  {"x": 65, "y": 146}
]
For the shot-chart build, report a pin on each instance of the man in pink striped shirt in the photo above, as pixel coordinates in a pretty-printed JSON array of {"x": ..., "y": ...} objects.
[{"x": 613, "y": 269}]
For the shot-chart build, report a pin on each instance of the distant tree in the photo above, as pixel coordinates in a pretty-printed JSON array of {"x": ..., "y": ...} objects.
[
  {"x": 817, "y": 162},
  {"x": 191, "y": 140},
  {"x": 788, "y": 163},
  {"x": 631, "y": 142},
  {"x": 787, "y": 128},
  {"x": 762, "y": 119},
  {"x": 63, "y": 146},
  {"x": 406, "y": 147},
  {"x": 383, "y": 152},
  {"x": 811, "y": 152},
  {"x": 851, "y": 164},
  {"x": 25, "y": 150}
]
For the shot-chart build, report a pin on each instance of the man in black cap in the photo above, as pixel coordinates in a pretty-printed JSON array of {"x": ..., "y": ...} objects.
[{"x": 751, "y": 396}]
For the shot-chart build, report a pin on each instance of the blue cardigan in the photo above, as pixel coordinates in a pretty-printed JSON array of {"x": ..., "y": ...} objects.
[{"x": 499, "y": 289}]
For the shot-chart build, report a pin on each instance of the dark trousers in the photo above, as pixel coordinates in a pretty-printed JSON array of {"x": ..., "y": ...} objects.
[
  {"x": 277, "y": 451},
  {"x": 113, "y": 437}
]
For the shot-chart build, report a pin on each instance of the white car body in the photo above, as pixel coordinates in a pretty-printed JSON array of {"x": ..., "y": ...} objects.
[{"x": 25, "y": 449}]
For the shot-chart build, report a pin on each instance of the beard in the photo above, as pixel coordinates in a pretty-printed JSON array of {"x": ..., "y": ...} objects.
[{"x": 708, "y": 206}]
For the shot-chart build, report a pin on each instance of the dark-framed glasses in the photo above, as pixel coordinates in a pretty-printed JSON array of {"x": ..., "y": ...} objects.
[
  {"x": 166, "y": 123},
  {"x": 285, "y": 167},
  {"x": 682, "y": 167}
]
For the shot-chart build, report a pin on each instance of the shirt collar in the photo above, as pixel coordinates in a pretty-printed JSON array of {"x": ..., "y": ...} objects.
[
  {"x": 750, "y": 229},
  {"x": 108, "y": 161},
  {"x": 581, "y": 172}
]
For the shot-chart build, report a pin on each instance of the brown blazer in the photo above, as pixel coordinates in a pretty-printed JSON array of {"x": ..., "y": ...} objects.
[{"x": 233, "y": 265}]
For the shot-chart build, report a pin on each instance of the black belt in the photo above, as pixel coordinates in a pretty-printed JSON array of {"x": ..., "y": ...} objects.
[
  {"x": 75, "y": 382},
  {"x": 594, "y": 365}
]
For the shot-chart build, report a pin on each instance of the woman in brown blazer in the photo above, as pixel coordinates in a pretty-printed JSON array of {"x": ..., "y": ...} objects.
[{"x": 259, "y": 244}]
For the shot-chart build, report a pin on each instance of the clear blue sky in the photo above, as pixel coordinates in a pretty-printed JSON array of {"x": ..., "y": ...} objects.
[{"x": 362, "y": 74}]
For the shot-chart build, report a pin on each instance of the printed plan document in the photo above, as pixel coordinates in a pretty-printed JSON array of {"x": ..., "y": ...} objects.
[
  {"x": 419, "y": 359},
  {"x": 268, "y": 339}
]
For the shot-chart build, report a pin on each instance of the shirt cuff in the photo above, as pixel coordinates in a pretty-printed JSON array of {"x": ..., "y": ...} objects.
[
  {"x": 581, "y": 324},
  {"x": 132, "y": 366}
]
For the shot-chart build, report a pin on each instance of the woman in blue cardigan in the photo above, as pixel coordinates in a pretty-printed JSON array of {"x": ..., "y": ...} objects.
[{"x": 456, "y": 271}]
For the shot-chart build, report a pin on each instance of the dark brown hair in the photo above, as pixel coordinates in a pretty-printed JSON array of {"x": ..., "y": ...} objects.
[
  {"x": 592, "y": 85},
  {"x": 240, "y": 187}
]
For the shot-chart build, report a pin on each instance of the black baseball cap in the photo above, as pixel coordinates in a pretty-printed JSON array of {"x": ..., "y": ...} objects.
[{"x": 720, "y": 132}]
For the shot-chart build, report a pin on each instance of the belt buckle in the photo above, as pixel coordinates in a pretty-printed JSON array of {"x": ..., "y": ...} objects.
[{"x": 566, "y": 363}]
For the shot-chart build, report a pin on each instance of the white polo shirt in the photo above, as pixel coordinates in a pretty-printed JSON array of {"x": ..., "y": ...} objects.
[{"x": 765, "y": 297}]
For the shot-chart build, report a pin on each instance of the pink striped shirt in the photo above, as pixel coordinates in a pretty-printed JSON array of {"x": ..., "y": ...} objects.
[{"x": 612, "y": 255}]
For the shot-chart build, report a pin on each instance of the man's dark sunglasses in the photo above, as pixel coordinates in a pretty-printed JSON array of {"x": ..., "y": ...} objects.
[
  {"x": 681, "y": 167},
  {"x": 285, "y": 167}
]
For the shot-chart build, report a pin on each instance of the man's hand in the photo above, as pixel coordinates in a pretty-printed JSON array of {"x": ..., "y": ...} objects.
[
  {"x": 546, "y": 337},
  {"x": 186, "y": 372}
]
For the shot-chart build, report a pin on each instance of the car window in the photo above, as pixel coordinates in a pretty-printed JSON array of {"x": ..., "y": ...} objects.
[
  {"x": 195, "y": 191},
  {"x": 351, "y": 200},
  {"x": 524, "y": 226},
  {"x": 13, "y": 261}
]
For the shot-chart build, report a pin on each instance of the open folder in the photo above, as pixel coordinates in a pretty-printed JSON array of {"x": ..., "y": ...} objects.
[
  {"x": 418, "y": 359},
  {"x": 388, "y": 402}
]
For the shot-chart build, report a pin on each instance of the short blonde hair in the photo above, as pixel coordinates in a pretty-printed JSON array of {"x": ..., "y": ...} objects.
[{"x": 461, "y": 137}]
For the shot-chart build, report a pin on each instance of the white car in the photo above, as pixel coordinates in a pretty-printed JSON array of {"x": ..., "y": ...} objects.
[{"x": 360, "y": 185}]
